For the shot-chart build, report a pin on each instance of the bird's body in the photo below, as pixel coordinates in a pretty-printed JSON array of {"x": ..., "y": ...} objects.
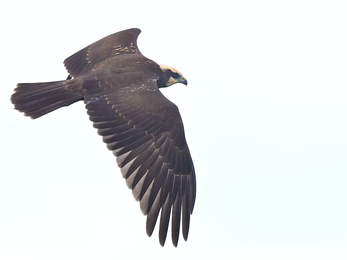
[{"x": 143, "y": 129}]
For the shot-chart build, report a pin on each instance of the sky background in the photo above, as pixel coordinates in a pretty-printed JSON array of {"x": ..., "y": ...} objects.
[{"x": 264, "y": 115}]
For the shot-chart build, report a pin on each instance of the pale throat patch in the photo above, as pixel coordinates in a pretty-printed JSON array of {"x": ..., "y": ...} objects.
[{"x": 171, "y": 81}]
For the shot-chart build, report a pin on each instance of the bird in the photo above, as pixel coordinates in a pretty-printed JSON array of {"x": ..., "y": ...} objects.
[{"x": 144, "y": 130}]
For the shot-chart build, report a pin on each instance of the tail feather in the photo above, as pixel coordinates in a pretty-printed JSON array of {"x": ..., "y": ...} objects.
[{"x": 38, "y": 99}]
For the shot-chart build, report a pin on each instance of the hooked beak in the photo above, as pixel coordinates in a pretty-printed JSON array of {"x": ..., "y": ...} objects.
[{"x": 185, "y": 82}]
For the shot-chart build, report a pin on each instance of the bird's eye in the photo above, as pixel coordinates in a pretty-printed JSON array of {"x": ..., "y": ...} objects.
[{"x": 176, "y": 75}]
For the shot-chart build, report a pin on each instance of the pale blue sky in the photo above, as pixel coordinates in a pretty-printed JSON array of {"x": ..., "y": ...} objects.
[{"x": 264, "y": 114}]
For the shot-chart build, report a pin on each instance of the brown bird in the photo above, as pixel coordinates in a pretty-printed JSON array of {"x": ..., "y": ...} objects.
[{"x": 143, "y": 129}]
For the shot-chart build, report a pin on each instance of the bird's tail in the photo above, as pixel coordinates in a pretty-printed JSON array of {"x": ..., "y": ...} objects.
[{"x": 38, "y": 99}]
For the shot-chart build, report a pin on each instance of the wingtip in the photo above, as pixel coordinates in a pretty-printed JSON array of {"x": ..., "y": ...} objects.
[
  {"x": 175, "y": 242},
  {"x": 162, "y": 241},
  {"x": 137, "y": 30}
]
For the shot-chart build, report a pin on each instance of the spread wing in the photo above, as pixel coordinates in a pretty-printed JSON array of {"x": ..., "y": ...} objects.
[
  {"x": 124, "y": 42},
  {"x": 145, "y": 132}
]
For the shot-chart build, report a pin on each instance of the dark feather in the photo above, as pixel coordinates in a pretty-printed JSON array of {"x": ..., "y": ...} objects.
[
  {"x": 185, "y": 216},
  {"x": 176, "y": 216},
  {"x": 164, "y": 220},
  {"x": 152, "y": 216}
]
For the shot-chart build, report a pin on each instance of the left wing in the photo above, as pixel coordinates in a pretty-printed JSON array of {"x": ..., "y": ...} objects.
[{"x": 145, "y": 131}]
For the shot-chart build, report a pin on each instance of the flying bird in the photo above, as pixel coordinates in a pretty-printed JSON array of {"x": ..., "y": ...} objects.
[{"x": 143, "y": 129}]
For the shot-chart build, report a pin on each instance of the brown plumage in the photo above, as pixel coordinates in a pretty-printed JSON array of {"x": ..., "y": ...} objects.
[{"x": 143, "y": 129}]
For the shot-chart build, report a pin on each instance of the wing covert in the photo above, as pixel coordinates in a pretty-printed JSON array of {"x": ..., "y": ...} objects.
[{"x": 124, "y": 42}]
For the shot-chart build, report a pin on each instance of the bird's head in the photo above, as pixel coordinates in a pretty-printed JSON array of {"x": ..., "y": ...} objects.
[{"x": 172, "y": 76}]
